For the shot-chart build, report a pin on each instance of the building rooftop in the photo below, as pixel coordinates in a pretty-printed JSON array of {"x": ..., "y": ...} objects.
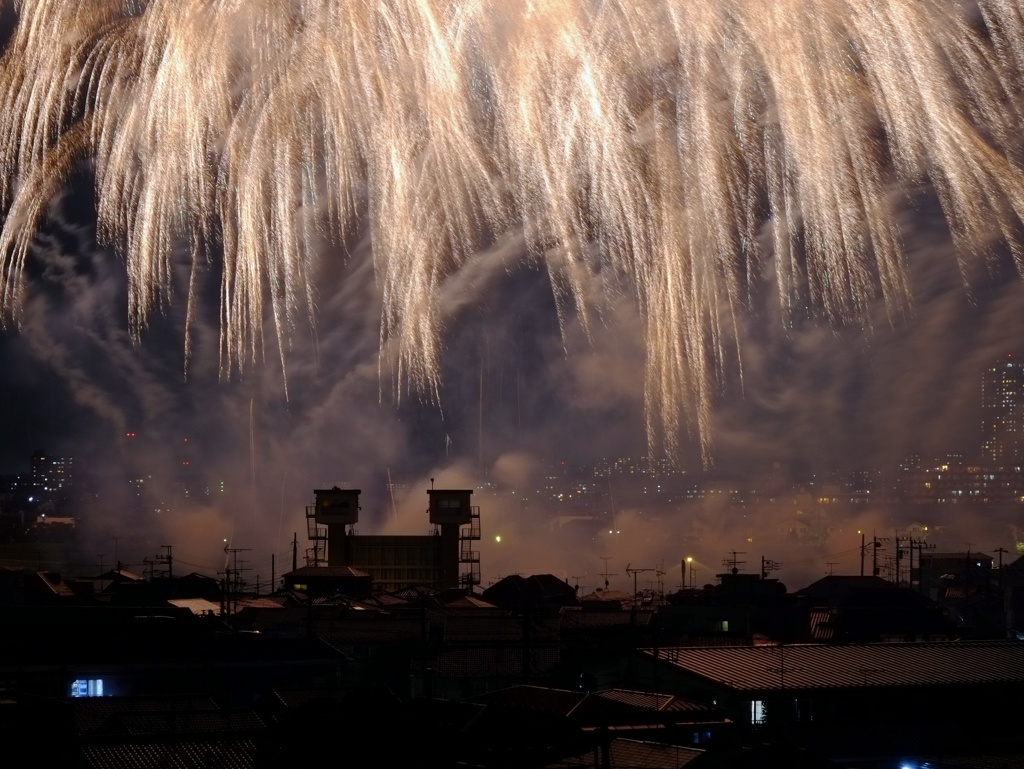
[
  {"x": 772, "y": 668},
  {"x": 635, "y": 754},
  {"x": 227, "y": 754}
]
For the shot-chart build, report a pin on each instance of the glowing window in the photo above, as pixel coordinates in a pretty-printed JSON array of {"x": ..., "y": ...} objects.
[
  {"x": 757, "y": 712},
  {"x": 87, "y": 687}
]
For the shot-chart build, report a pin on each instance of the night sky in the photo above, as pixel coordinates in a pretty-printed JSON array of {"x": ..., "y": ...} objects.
[{"x": 518, "y": 392}]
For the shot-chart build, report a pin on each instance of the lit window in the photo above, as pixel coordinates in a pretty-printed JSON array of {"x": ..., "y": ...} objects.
[
  {"x": 757, "y": 712},
  {"x": 87, "y": 687}
]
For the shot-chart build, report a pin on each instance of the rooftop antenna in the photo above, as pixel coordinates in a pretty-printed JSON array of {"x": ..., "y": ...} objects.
[
  {"x": 606, "y": 573},
  {"x": 733, "y": 562}
]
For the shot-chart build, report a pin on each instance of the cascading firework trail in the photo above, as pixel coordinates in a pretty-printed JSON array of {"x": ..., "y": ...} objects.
[{"x": 641, "y": 146}]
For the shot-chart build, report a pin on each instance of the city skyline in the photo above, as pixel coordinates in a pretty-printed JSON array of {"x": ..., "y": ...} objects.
[{"x": 796, "y": 389}]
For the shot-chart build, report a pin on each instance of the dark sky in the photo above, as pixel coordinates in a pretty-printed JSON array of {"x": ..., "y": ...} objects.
[
  {"x": 811, "y": 396},
  {"x": 517, "y": 391}
]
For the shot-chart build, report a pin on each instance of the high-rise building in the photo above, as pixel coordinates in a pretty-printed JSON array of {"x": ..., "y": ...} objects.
[
  {"x": 50, "y": 473},
  {"x": 1002, "y": 413}
]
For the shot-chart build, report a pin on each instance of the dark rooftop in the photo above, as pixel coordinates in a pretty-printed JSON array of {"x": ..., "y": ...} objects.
[{"x": 800, "y": 666}]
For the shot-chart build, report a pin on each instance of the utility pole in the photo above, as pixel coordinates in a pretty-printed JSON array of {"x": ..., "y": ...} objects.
[
  {"x": 862, "y": 548},
  {"x": 295, "y": 551},
  {"x": 168, "y": 559},
  {"x": 634, "y": 572},
  {"x": 967, "y": 572},
  {"x": 1001, "y": 550},
  {"x": 899, "y": 560},
  {"x": 225, "y": 600},
  {"x": 659, "y": 573},
  {"x": 632, "y": 616},
  {"x": 876, "y": 542},
  {"x": 921, "y": 547},
  {"x": 767, "y": 566},
  {"x": 234, "y": 582}
]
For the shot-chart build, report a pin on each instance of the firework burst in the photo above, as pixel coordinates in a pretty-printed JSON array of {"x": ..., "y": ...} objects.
[{"x": 643, "y": 145}]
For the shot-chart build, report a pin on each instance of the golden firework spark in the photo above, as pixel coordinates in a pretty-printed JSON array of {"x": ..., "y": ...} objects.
[{"x": 647, "y": 143}]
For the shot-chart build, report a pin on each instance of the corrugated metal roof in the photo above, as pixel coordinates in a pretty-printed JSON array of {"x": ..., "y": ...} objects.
[
  {"x": 822, "y": 624},
  {"x": 819, "y": 666},
  {"x": 667, "y": 703},
  {"x": 92, "y": 713},
  {"x": 192, "y": 722},
  {"x": 229, "y": 754},
  {"x": 650, "y": 755}
]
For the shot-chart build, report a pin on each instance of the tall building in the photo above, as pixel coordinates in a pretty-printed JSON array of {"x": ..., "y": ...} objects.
[
  {"x": 50, "y": 473},
  {"x": 1002, "y": 413}
]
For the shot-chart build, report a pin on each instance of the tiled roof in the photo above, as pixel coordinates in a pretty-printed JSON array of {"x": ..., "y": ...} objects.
[
  {"x": 191, "y": 722},
  {"x": 93, "y": 713},
  {"x": 468, "y": 602},
  {"x": 572, "y": 620},
  {"x": 474, "y": 628},
  {"x": 613, "y": 706},
  {"x": 325, "y": 572},
  {"x": 262, "y": 602},
  {"x": 224, "y": 754},
  {"x": 766, "y": 668},
  {"x": 56, "y": 584},
  {"x": 635, "y": 755},
  {"x": 608, "y": 595},
  {"x": 370, "y": 628}
]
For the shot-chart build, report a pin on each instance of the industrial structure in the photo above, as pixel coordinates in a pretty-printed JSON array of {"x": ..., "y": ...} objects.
[{"x": 442, "y": 559}]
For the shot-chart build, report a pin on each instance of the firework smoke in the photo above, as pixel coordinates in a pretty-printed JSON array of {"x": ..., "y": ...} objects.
[{"x": 640, "y": 147}]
